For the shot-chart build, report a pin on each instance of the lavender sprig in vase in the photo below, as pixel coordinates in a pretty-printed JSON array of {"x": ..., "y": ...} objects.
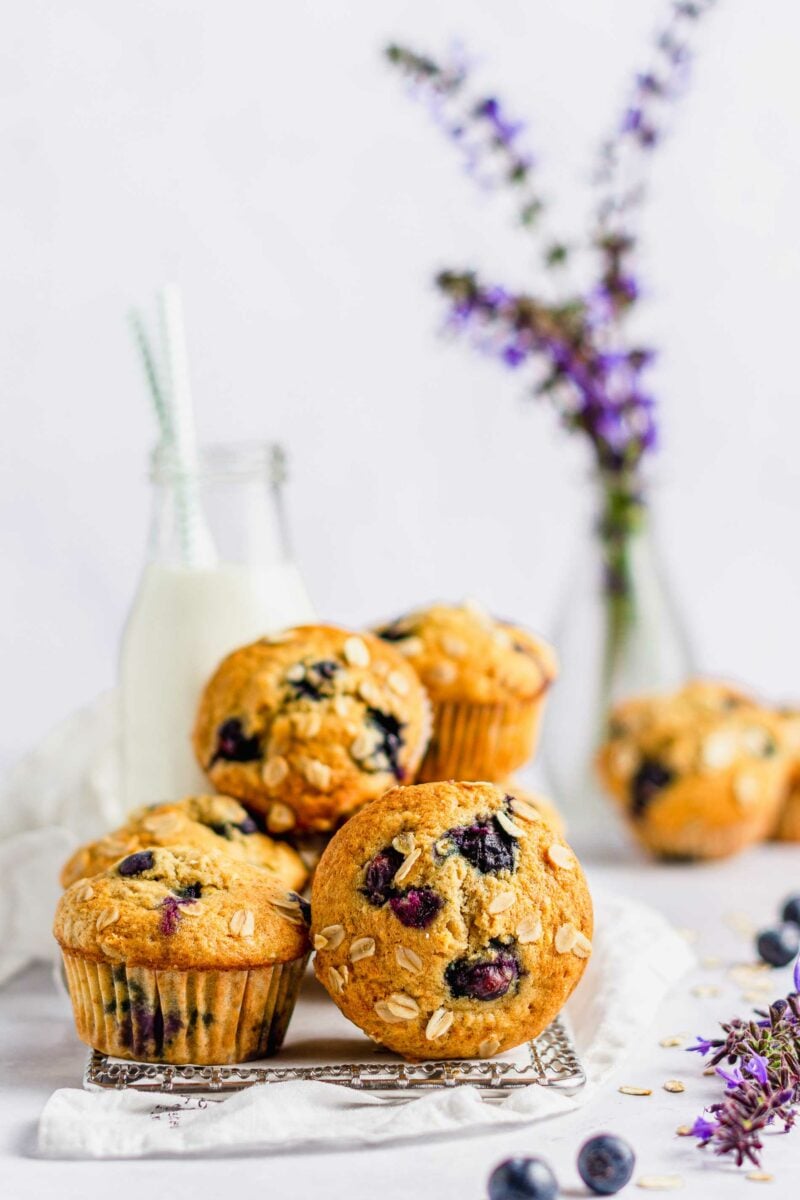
[{"x": 618, "y": 630}]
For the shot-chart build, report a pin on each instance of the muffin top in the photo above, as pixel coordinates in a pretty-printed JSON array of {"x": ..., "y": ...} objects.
[
  {"x": 178, "y": 908},
  {"x": 450, "y": 920},
  {"x": 705, "y": 730},
  {"x": 212, "y": 823},
  {"x": 309, "y": 725},
  {"x": 462, "y": 653},
  {"x": 542, "y": 805}
]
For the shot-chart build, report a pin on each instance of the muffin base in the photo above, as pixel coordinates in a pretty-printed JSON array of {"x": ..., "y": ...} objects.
[
  {"x": 481, "y": 741},
  {"x": 204, "y": 1017}
]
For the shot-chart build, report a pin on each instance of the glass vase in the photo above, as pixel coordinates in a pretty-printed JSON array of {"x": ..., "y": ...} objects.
[{"x": 619, "y": 632}]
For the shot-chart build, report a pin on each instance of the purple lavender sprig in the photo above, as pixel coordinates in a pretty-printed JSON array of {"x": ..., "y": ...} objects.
[{"x": 761, "y": 1075}]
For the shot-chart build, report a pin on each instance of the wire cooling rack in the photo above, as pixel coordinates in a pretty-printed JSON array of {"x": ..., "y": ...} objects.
[{"x": 549, "y": 1061}]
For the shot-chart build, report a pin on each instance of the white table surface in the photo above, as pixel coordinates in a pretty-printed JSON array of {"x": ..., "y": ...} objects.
[{"x": 39, "y": 1052}]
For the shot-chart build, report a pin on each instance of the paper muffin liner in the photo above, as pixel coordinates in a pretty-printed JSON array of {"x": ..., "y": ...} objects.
[
  {"x": 206, "y": 1017},
  {"x": 481, "y": 741}
]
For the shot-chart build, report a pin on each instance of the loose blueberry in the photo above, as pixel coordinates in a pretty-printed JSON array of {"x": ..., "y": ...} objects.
[
  {"x": 780, "y": 945},
  {"x": 522, "y": 1179},
  {"x": 137, "y": 864},
  {"x": 483, "y": 978},
  {"x": 417, "y": 907},
  {"x": 648, "y": 781},
  {"x": 233, "y": 745},
  {"x": 605, "y": 1164},
  {"x": 379, "y": 874},
  {"x": 391, "y": 743},
  {"x": 486, "y": 845},
  {"x": 791, "y": 910}
]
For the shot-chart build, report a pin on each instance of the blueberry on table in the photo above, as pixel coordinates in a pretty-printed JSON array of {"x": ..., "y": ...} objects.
[
  {"x": 791, "y": 910},
  {"x": 522, "y": 1179},
  {"x": 605, "y": 1164},
  {"x": 780, "y": 945}
]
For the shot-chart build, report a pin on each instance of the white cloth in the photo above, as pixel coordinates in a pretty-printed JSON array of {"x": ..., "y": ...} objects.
[
  {"x": 65, "y": 791},
  {"x": 637, "y": 958}
]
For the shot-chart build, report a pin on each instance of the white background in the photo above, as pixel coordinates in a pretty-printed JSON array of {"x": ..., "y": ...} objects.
[{"x": 261, "y": 154}]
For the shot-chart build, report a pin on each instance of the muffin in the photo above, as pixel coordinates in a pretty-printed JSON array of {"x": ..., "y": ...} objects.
[
  {"x": 176, "y": 956},
  {"x": 450, "y": 921},
  {"x": 787, "y": 828},
  {"x": 698, "y": 773},
  {"x": 487, "y": 680},
  {"x": 309, "y": 725},
  {"x": 213, "y": 823}
]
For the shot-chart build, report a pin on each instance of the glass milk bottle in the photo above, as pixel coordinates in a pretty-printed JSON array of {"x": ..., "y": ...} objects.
[{"x": 186, "y": 618}]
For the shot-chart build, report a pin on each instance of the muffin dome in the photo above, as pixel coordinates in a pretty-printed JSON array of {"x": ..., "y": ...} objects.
[
  {"x": 449, "y": 921},
  {"x": 208, "y": 823},
  {"x": 309, "y": 725}
]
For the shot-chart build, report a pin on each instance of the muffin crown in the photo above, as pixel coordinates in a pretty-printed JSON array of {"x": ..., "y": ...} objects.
[
  {"x": 461, "y": 652},
  {"x": 178, "y": 908}
]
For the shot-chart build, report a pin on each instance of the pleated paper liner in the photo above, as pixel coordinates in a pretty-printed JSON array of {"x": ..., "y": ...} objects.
[{"x": 481, "y": 741}]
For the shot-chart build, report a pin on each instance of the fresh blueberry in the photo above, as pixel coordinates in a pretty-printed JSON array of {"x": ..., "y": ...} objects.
[
  {"x": 233, "y": 745},
  {"x": 483, "y": 978},
  {"x": 780, "y": 945},
  {"x": 391, "y": 743},
  {"x": 137, "y": 864},
  {"x": 605, "y": 1164},
  {"x": 379, "y": 874},
  {"x": 522, "y": 1179},
  {"x": 417, "y": 907},
  {"x": 791, "y": 910},
  {"x": 651, "y": 777},
  {"x": 486, "y": 845}
]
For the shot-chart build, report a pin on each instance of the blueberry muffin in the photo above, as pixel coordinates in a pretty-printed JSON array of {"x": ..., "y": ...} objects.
[
  {"x": 176, "y": 956},
  {"x": 449, "y": 921},
  {"x": 487, "y": 680},
  {"x": 787, "y": 828},
  {"x": 698, "y": 773},
  {"x": 214, "y": 823},
  {"x": 309, "y": 725}
]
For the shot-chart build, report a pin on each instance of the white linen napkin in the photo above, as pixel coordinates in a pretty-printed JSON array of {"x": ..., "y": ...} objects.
[{"x": 637, "y": 958}]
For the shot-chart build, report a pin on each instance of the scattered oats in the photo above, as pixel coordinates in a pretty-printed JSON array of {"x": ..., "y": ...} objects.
[
  {"x": 364, "y": 744},
  {"x": 116, "y": 846},
  {"x": 561, "y": 856},
  {"x": 356, "y": 652},
  {"x": 363, "y": 947},
  {"x": 344, "y": 971},
  {"x": 385, "y": 1013},
  {"x": 503, "y": 638},
  {"x": 404, "y": 1007},
  {"x": 710, "y": 1071},
  {"x": 84, "y": 892},
  {"x": 751, "y": 975},
  {"x": 454, "y": 647},
  {"x": 705, "y": 990},
  {"x": 317, "y": 773},
  {"x": 162, "y": 824},
  {"x": 674, "y": 1085},
  {"x": 741, "y": 923},
  {"x": 288, "y": 907},
  {"x": 195, "y": 909},
  {"x": 410, "y": 646},
  {"x": 529, "y": 930},
  {"x": 329, "y": 938},
  {"x": 243, "y": 923},
  {"x": 511, "y": 829},
  {"x": 409, "y": 960},
  {"x": 274, "y": 771},
  {"x": 306, "y": 724},
  {"x": 759, "y": 1176},
  {"x": 489, "y": 1047},
  {"x": 675, "y": 1039},
  {"x": 753, "y": 997},
  {"x": 719, "y": 750},
  {"x": 501, "y": 902},
  {"x": 337, "y": 980},
  {"x": 399, "y": 683},
  {"x": 629, "y": 1090},
  {"x": 582, "y": 947},
  {"x": 684, "y": 1131},
  {"x": 404, "y": 870},
  {"x": 404, "y": 842},
  {"x": 756, "y": 741},
  {"x": 370, "y": 693},
  {"x": 439, "y": 1024},
  {"x": 746, "y": 789},
  {"x": 296, "y": 673},
  {"x": 281, "y": 818},
  {"x": 524, "y": 810},
  {"x": 341, "y": 705},
  {"x": 108, "y": 916},
  {"x": 660, "y": 1183},
  {"x": 565, "y": 939},
  {"x": 444, "y": 672}
]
